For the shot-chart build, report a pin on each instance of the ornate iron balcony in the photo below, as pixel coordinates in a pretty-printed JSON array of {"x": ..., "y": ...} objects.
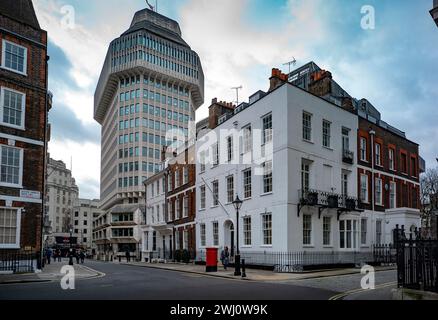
[
  {"x": 348, "y": 156},
  {"x": 327, "y": 200}
]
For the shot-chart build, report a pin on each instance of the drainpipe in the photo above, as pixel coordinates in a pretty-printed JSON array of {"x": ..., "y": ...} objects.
[{"x": 373, "y": 220}]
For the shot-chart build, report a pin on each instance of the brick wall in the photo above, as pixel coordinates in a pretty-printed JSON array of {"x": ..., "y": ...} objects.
[{"x": 33, "y": 85}]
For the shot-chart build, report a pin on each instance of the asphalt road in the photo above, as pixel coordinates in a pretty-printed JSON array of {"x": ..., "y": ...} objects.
[{"x": 138, "y": 283}]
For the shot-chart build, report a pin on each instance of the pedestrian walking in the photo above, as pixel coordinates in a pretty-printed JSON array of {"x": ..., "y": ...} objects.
[
  {"x": 82, "y": 256},
  {"x": 128, "y": 256},
  {"x": 49, "y": 255},
  {"x": 59, "y": 255},
  {"x": 225, "y": 257},
  {"x": 77, "y": 257}
]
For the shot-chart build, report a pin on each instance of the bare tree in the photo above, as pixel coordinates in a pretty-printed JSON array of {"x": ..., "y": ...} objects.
[{"x": 429, "y": 190}]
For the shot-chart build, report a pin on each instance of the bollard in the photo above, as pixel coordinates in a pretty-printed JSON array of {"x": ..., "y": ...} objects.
[{"x": 243, "y": 269}]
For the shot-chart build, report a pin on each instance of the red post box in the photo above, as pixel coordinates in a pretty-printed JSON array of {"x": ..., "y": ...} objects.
[{"x": 211, "y": 260}]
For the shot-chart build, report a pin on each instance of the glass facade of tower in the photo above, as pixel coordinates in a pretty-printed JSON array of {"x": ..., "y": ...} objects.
[{"x": 149, "y": 89}]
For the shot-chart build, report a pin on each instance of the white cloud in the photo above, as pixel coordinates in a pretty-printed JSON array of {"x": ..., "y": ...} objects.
[{"x": 231, "y": 48}]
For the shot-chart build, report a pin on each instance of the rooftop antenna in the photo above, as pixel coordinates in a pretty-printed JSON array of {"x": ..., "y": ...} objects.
[
  {"x": 293, "y": 62},
  {"x": 237, "y": 93},
  {"x": 150, "y": 6}
]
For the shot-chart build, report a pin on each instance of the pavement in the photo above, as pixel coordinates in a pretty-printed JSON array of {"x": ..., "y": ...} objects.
[
  {"x": 252, "y": 274},
  {"x": 51, "y": 272}
]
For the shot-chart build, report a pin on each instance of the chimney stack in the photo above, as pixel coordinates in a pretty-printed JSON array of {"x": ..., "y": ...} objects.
[{"x": 277, "y": 79}]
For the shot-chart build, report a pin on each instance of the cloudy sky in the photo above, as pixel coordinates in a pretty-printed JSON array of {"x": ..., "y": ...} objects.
[{"x": 394, "y": 65}]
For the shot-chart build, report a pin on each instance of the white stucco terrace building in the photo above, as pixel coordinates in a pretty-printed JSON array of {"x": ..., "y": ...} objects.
[{"x": 312, "y": 143}]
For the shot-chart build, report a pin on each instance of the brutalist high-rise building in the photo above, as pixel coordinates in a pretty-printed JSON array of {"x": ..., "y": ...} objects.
[{"x": 151, "y": 83}]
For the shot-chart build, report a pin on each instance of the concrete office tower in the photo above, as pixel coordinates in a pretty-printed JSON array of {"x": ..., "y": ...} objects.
[
  {"x": 149, "y": 89},
  {"x": 151, "y": 82}
]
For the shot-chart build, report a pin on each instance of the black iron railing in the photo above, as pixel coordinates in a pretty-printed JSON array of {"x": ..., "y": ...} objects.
[
  {"x": 19, "y": 262},
  {"x": 298, "y": 261},
  {"x": 348, "y": 156},
  {"x": 385, "y": 253},
  {"x": 325, "y": 199},
  {"x": 417, "y": 260}
]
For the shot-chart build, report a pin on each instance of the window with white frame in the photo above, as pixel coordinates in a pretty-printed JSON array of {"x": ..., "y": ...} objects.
[
  {"x": 152, "y": 214},
  {"x": 364, "y": 188},
  {"x": 178, "y": 209},
  {"x": 12, "y": 108},
  {"x": 391, "y": 159},
  {"x": 230, "y": 148},
  {"x": 326, "y": 231},
  {"x": 345, "y": 139},
  {"x": 202, "y": 192},
  {"x": 363, "y": 231},
  {"x": 326, "y": 131},
  {"x": 215, "y": 233},
  {"x": 363, "y": 149},
  {"x": 14, "y": 57},
  {"x": 176, "y": 178},
  {"x": 185, "y": 239},
  {"x": 348, "y": 234},
  {"x": 247, "y": 183},
  {"x": 307, "y": 229},
  {"x": 247, "y": 241},
  {"x": 11, "y": 166},
  {"x": 202, "y": 160},
  {"x": 267, "y": 229},
  {"x": 10, "y": 228},
  {"x": 392, "y": 194},
  {"x": 378, "y": 194},
  {"x": 378, "y": 231},
  {"x": 378, "y": 151},
  {"x": 344, "y": 183},
  {"x": 215, "y": 152},
  {"x": 230, "y": 189},
  {"x": 186, "y": 207},
  {"x": 267, "y": 176},
  {"x": 215, "y": 193},
  {"x": 185, "y": 175},
  {"x": 307, "y": 126},
  {"x": 267, "y": 129},
  {"x": 170, "y": 183},
  {"x": 202, "y": 235},
  {"x": 247, "y": 139},
  {"x": 305, "y": 175}
]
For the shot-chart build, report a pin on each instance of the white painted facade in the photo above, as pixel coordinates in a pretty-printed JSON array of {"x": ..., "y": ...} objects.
[
  {"x": 286, "y": 104},
  {"x": 155, "y": 227}
]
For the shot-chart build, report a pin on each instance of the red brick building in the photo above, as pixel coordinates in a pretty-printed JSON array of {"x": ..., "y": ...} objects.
[
  {"x": 395, "y": 161},
  {"x": 181, "y": 200},
  {"x": 24, "y": 105}
]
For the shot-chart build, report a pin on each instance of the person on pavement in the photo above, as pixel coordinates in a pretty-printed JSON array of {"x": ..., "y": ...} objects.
[
  {"x": 82, "y": 256},
  {"x": 225, "y": 257},
  {"x": 128, "y": 256},
  {"x": 49, "y": 255}
]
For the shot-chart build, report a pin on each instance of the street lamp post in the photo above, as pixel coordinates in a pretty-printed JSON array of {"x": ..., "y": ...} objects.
[
  {"x": 70, "y": 261},
  {"x": 237, "y": 205}
]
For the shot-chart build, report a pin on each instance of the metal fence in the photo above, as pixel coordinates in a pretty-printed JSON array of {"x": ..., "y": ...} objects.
[
  {"x": 385, "y": 254},
  {"x": 417, "y": 261},
  {"x": 298, "y": 261},
  {"x": 19, "y": 262}
]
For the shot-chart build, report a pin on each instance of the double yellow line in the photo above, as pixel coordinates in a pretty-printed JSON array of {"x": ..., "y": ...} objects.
[{"x": 347, "y": 293}]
